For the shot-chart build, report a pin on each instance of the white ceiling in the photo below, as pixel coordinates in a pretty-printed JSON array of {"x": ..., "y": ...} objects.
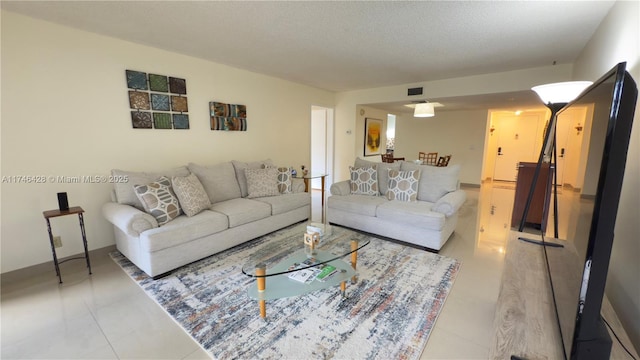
[{"x": 345, "y": 45}]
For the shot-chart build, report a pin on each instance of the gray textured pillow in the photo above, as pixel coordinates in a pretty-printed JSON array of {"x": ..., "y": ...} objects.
[
  {"x": 364, "y": 181},
  {"x": 219, "y": 181},
  {"x": 262, "y": 182},
  {"x": 125, "y": 193},
  {"x": 383, "y": 174},
  {"x": 193, "y": 199},
  {"x": 159, "y": 200},
  {"x": 403, "y": 185},
  {"x": 239, "y": 167}
]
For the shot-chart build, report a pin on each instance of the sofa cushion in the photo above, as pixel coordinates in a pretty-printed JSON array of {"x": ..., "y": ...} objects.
[
  {"x": 403, "y": 185},
  {"x": 242, "y": 211},
  {"x": 382, "y": 168},
  {"x": 358, "y": 204},
  {"x": 286, "y": 202},
  {"x": 124, "y": 190},
  {"x": 182, "y": 230},
  {"x": 363, "y": 181},
  {"x": 219, "y": 181},
  {"x": 435, "y": 181},
  {"x": 193, "y": 199},
  {"x": 413, "y": 214},
  {"x": 239, "y": 168},
  {"x": 159, "y": 200},
  {"x": 262, "y": 182}
]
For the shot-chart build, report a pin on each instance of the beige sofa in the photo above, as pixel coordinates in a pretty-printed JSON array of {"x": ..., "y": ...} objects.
[
  {"x": 427, "y": 222},
  {"x": 232, "y": 217}
]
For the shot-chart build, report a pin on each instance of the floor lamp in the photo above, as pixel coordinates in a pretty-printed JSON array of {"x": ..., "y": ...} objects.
[{"x": 555, "y": 96}]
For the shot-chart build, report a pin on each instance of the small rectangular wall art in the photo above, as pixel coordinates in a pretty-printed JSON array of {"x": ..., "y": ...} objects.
[{"x": 228, "y": 117}]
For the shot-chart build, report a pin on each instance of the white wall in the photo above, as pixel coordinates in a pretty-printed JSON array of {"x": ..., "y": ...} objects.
[
  {"x": 460, "y": 134},
  {"x": 65, "y": 112},
  {"x": 618, "y": 39},
  {"x": 365, "y": 112}
]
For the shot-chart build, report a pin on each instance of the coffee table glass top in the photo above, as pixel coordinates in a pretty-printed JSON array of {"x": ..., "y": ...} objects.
[{"x": 283, "y": 256}]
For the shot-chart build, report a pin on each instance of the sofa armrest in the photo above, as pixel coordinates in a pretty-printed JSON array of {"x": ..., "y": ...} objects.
[
  {"x": 128, "y": 219},
  {"x": 450, "y": 203},
  {"x": 297, "y": 185},
  {"x": 341, "y": 188}
]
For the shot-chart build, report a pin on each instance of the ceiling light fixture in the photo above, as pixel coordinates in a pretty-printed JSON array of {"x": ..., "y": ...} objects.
[{"x": 424, "y": 110}]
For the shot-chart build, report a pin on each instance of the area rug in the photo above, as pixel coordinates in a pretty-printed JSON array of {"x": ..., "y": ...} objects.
[{"x": 388, "y": 314}]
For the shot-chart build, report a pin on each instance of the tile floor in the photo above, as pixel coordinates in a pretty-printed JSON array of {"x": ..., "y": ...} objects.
[{"x": 106, "y": 315}]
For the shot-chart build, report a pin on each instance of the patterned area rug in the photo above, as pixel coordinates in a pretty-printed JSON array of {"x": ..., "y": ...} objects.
[{"x": 388, "y": 314}]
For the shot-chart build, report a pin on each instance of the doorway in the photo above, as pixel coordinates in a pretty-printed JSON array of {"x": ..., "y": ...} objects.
[
  {"x": 511, "y": 138},
  {"x": 322, "y": 139}
]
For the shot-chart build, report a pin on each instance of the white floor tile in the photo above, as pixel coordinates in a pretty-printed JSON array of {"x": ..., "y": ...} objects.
[{"x": 106, "y": 315}]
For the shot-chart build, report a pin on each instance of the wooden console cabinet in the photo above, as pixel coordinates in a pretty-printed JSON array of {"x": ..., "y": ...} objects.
[{"x": 539, "y": 209}]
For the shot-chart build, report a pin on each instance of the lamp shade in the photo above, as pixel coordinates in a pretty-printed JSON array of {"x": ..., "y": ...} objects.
[
  {"x": 560, "y": 93},
  {"x": 424, "y": 110}
]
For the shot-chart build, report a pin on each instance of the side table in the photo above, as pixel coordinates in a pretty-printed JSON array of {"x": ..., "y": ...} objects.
[
  {"x": 310, "y": 176},
  {"x": 55, "y": 213}
]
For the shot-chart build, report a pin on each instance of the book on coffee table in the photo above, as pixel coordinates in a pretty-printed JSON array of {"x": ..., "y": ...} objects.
[
  {"x": 304, "y": 275},
  {"x": 326, "y": 271}
]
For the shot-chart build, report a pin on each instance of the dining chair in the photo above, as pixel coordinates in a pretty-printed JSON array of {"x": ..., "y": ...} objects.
[
  {"x": 444, "y": 160},
  {"x": 428, "y": 158}
]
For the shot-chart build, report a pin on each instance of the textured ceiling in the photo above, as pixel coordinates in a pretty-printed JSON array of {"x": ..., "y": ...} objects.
[{"x": 349, "y": 45}]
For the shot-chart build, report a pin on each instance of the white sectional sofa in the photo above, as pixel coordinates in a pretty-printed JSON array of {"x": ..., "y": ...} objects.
[
  {"x": 428, "y": 221},
  {"x": 231, "y": 217}
]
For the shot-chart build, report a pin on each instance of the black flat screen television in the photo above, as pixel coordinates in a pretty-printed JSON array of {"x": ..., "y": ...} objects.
[{"x": 578, "y": 277}]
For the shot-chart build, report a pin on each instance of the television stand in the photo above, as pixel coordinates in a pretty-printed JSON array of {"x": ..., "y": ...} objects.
[{"x": 525, "y": 325}]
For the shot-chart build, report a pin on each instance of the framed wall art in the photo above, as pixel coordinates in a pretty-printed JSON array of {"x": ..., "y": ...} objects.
[
  {"x": 163, "y": 95},
  {"x": 228, "y": 117},
  {"x": 372, "y": 136}
]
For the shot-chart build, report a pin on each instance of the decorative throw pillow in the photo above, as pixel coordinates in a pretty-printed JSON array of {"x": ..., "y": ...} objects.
[
  {"x": 403, "y": 185},
  {"x": 364, "y": 181},
  {"x": 125, "y": 194},
  {"x": 284, "y": 178},
  {"x": 262, "y": 182},
  {"x": 239, "y": 168},
  {"x": 191, "y": 194},
  {"x": 381, "y": 168},
  {"x": 159, "y": 200}
]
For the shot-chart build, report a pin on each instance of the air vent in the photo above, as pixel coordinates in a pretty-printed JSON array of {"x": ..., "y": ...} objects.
[{"x": 414, "y": 91}]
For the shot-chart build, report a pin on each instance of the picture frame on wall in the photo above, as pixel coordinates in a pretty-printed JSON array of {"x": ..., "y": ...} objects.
[{"x": 372, "y": 137}]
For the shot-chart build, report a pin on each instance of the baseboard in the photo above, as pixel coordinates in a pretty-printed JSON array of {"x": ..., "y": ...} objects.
[
  {"x": 46, "y": 268},
  {"x": 469, "y": 185}
]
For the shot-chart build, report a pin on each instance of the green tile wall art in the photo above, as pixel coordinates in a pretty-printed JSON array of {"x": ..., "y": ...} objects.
[
  {"x": 228, "y": 117},
  {"x": 158, "y": 101}
]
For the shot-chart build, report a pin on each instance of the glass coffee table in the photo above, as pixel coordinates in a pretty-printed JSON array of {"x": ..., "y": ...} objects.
[{"x": 286, "y": 267}]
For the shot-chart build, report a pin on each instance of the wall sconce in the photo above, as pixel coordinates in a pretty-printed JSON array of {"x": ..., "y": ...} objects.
[{"x": 579, "y": 128}]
